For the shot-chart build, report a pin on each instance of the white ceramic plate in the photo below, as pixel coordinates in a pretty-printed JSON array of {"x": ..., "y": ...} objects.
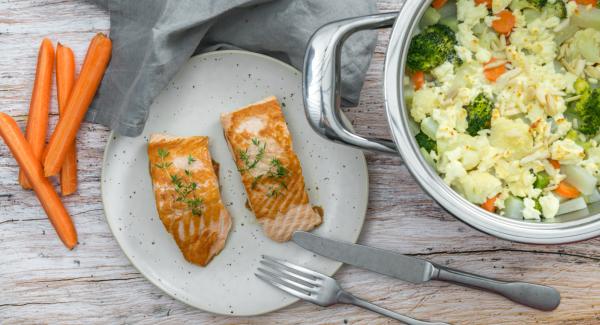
[{"x": 209, "y": 84}]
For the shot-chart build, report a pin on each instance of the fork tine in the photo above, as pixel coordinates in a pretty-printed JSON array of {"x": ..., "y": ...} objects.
[
  {"x": 291, "y": 282},
  {"x": 285, "y": 271},
  {"x": 295, "y": 268},
  {"x": 280, "y": 286}
]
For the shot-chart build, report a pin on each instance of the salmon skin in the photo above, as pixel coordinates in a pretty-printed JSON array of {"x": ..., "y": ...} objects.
[
  {"x": 188, "y": 200},
  {"x": 261, "y": 146}
]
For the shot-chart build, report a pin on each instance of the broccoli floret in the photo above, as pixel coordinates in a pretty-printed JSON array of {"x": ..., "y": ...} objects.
[
  {"x": 426, "y": 142},
  {"x": 542, "y": 179},
  {"x": 538, "y": 3},
  {"x": 581, "y": 85},
  {"x": 479, "y": 114},
  {"x": 588, "y": 112},
  {"x": 557, "y": 9},
  {"x": 432, "y": 47}
]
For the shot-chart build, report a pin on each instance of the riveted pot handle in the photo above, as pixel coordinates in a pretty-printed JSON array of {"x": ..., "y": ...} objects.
[{"x": 322, "y": 87}]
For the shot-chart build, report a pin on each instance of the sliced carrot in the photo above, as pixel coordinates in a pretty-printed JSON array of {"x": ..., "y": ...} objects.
[
  {"x": 418, "y": 78},
  {"x": 92, "y": 71},
  {"x": 65, "y": 78},
  {"x": 489, "y": 205},
  {"x": 39, "y": 107},
  {"x": 567, "y": 190},
  {"x": 437, "y": 4},
  {"x": 488, "y": 3},
  {"x": 554, "y": 163},
  {"x": 505, "y": 22},
  {"x": 31, "y": 166},
  {"x": 594, "y": 3},
  {"x": 493, "y": 74}
]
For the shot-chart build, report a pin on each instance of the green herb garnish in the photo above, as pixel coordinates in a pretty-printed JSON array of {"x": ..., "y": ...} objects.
[
  {"x": 184, "y": 187},
  {"x": 246, "y": 159},
  {"x": 276, "y": 171}
]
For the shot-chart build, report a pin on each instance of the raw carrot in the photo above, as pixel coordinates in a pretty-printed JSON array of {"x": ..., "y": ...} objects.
[
  {"x": 505, "y": 22},
  {"x": 488, "y": 3},
  {"x": 554, "y": 163},
  {"x": 65, "y": 78},
  {"x": 567, "y": 190},
  {"x": 94, "y": 66},
  {"x": 594, "y": 3},
  {"x": 418, "y": 78},
  {"x": 437, "y": 4},
  {"x": 489, "y": 205},
  {"x": 37, "y": 122},
  {"x": 492, "y": 74},
  {"x": 31, "y": 166}
]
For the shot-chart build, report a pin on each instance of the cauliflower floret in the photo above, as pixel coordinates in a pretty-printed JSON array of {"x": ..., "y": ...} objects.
[
  {"x": 450, "y": 118},
  {"x": 537, "y": 40},
  {"x": 483, "y": 55},
  {"x": 567, "y": 152},
  {"x": 470, "y": 13},
  {"x": 512, "y": 136},
  {"x": 478, "y": 186},
  {"x": 444, "y": 73},
  {"x": 464, "y": 54},
  {"x": 424, "y": 102},
  {"x": 499, "y": 5},
  {"x": 530, "y": 212},
  {"x": 549, "y": 205},
  {"x": 519, "y": 180},
  {"x": 453, "y": 170}
]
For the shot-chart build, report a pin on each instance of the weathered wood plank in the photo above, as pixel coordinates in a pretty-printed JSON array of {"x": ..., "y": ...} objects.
[{"x": 41, "y": 282}]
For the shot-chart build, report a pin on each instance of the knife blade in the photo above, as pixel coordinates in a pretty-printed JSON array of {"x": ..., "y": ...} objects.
[{"x": 407, "y": 268}]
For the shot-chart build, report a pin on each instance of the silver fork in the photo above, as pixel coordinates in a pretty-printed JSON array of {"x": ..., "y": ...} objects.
[{"x": 318, "y": 288}]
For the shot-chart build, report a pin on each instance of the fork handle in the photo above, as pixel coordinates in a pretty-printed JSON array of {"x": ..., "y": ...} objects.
[
  {"x": 528, "y": 294},
  {"x": 347, "y": 298}
]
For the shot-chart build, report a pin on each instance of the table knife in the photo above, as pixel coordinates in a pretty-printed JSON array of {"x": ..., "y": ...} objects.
[{"x": 416, "y": 270}]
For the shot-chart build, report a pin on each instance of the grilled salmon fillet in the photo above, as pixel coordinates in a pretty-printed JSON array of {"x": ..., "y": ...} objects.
[
  {"x": 186, "y": 190},
  {"x": 261, "y": 145}
]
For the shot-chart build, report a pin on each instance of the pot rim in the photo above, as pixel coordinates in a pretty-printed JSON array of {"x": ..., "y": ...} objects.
[{"x": 491, "y": 223}]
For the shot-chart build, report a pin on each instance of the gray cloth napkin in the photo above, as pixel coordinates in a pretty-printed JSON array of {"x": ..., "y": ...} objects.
[{"x": 152, "y": 39}]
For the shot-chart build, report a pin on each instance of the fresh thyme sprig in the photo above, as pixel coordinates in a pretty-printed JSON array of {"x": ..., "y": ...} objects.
[
  {"x": 183, "y": 187},
  {"x": 245, "y": 157},
  {"x": 276, "y": 171}
]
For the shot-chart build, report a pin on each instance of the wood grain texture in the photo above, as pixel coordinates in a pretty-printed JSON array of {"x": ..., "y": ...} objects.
[{"x": 41, "y": 282}]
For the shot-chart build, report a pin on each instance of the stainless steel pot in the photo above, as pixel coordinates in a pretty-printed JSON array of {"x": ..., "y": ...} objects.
[{"x": 322, "y": 102}]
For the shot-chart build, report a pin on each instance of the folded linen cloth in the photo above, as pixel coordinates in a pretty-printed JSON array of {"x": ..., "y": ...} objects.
[{"x": 152, "y": 39}]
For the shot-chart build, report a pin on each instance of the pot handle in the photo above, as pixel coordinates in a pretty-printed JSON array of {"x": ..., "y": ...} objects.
[{"x": 321, "y": 84}]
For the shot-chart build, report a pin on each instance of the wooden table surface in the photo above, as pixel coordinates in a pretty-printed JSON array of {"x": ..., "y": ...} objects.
[{"x": 42, "y": 282}]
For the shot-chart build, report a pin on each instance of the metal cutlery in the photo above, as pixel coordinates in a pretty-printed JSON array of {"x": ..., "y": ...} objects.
[
  {"x": 318, "y": 288},
  {"x": 416, "y": 270}
]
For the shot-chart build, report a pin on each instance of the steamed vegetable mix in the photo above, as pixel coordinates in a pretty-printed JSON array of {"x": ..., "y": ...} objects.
[{"x": 505, "y": 98}]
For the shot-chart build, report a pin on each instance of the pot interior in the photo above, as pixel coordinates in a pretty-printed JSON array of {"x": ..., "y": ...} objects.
[{"x": 568, "y": 220}]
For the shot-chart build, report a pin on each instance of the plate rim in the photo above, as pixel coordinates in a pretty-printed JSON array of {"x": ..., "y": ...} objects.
[{"x": 159, "y": 284}]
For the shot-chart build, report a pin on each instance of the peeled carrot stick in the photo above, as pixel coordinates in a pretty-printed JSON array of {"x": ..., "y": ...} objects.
[
  {"x": 554, "y": 163},
  {"x": 37, "y": 123},
  {"x": 94, "y": 65},
  {"x": 31, "y": 166},
  {"x": 65, "y": 78},
  {"x": 488, "y": 3}
]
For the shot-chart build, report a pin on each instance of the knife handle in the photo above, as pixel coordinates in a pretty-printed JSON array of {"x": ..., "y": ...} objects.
[{"x": 528, "y": 294}]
